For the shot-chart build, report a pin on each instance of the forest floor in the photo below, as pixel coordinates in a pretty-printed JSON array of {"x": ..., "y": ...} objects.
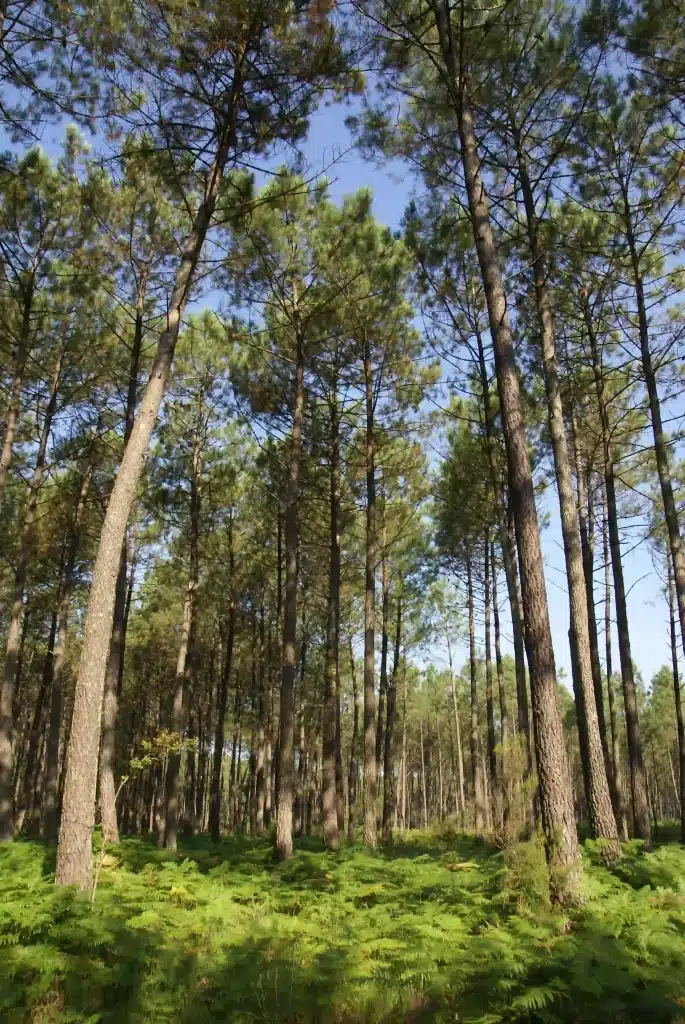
[{"x": 438, "y": 929}]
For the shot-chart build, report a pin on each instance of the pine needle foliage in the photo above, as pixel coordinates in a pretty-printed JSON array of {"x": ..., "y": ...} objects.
[{"x": 440, "y": 928}]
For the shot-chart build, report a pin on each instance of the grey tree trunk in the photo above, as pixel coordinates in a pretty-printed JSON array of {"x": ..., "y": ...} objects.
[
  {"x": 555, "y": 789},
  {"x": 370, "y": 776},
  {"x": 602, "y": 821},
  {"x": 388, "y": 781},
  {"x": 284, "y": 813},
  {"x": 74, "y": 852},
  {"x": 638, "y": 774},
  {"x": 476, "y": 772},
  {"x": 331, "y": 683}
]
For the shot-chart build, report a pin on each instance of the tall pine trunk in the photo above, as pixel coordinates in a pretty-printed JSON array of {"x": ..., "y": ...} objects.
[
  {"x": 638, "y": 774},
  {"x": 555, "y": 789},
  {"x": 660, "y": 441},
  {"x": 331, "y": 684},
  {"x": 680, "y": 724},
  {"x": 388, "y": 782},
  {"x": 495, "y": 792},
  {"x": 476, "y": 772},
  {"x": 117, "y": 650},
  {"x": 284, "y": 812},
  {"x": 602, "y": 821},
  {"x": 353, "y": 767},
  {"x": 370, "y": 775},
  {"x": 222, "y": 699},
  {"x": 74, "y": 852}
]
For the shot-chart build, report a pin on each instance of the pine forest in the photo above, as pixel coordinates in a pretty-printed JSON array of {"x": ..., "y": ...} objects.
[{"x": 342, "y": 511}]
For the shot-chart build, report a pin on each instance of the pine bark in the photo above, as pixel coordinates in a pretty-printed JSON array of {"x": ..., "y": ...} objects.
[
  {"x": 370, "y": 776},
  {"x": 476, "y": 772},
  {"x": 495, "y": 782},
  {"x": 117, "y": 650},
  {"x": 638, "y": 774},
  {"x": 222, "y": 699},
  {"x": 555, "y": 789},
  {"x": 602, "y": 821},
  {"x": 660, "y": 441},
  {"x": 353, "y": 769},
  {"x": 284, "y": 813},
  {"x": 677, "y": 693},
  {"x": 388, "y": 781},
  {"x": 51, "y": 787},
  {"x": 74, "y": 853},
  {"x": 331, "y": 719}
]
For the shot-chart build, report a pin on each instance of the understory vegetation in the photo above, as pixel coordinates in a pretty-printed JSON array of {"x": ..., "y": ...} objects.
[{"x": 441, "y": 927}]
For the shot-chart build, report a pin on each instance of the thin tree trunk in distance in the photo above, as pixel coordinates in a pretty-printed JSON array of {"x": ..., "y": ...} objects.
[
  {"x": 370, "y": 779},
  {"x": 353, "y": 770},
  {"x": 503, "y": 708},
  {"x": 388, "y": 788},
  {"x": 222, "y": 699},
  {"x": 680, "y": 724},
  {"x": 611, "y": 694},
  {"x": 476, "y": 773},
  {"x": 490, "y": 696},
  {"x": 51, "y": 788},
  {"x": 331, "y": 686}
]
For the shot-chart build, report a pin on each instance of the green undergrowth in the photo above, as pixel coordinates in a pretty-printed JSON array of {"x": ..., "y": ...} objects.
[{"x": 435, "y": 930}]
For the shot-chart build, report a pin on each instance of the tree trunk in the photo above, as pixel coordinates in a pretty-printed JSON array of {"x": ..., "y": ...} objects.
[
  {"x": 385, "y": 620},
  {"x": 222, "y": 699},
  {"x": 74, "y": 852},
  {"x": 555, "y": 790},
  {"x": 613, "y": 713},
  {"x": 660, "y": 440},
  {"x": 32, "y": 767},
  {"x": 507, "y": 543},
  {"x": 353, "y": 770},
  {"x": 51, "y": 787},
  {"x": 370, "y": 835},
  {"x": 680, "y": 724},
  {"x": 602, "y": 821},
  {"x": 260, "y": 764},
  {"x": 284, "y": 814},
  {"x": 476, "y": 774},
  {"x": 115, "y": 663},
  {"x": 638, "y": 774},
  {"x": 490, "y": 697},
  {"x": 424, "y": 800},
  {"x": 185, "y": 666},
  {"x": 9, "y": 681},
  {"x": 388, "y": 787},
  {"x": 587, "y": 547},
  {"x": 503, "y": 709},
  {"x": 331, "y": 684},
  {"x": 460, "y": 752}
]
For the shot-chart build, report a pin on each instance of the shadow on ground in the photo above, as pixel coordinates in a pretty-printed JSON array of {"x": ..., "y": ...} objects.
[{"x": 428, "y": 931}]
